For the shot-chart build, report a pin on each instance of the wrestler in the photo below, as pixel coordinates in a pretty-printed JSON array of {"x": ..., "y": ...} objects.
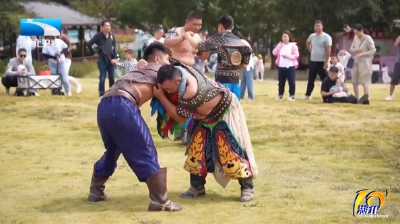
[
  {"x": 123, "y": 130},
  {"x": 233, "y": 53},
  {"x": 220, "y": 142},
  {"x": 175, "y": 39}
]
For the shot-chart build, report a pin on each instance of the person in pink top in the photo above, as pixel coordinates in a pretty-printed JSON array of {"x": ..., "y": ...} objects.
[{"x": 286, "y": 53}]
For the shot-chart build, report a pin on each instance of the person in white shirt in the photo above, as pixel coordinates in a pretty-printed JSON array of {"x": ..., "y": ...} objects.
[
  {"x": 344, "y": 57},
  {"x": 26, "y": 43},
  {"x": 336, "y": 63},
  {"x": 385, "y": 74},
  {"x": 247, "y": 81},
  {"x": 158, "y": 35},
  {"x": 54, "y": 50}
]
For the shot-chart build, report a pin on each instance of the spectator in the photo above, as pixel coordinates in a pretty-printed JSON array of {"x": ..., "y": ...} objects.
[
  {"x": 26, "y": 43},
  {"x": 247, "y": 81},
  {"x": 254, "y": 59},
  {"x": 130, "y": 64},
  {"x": 286, "y": 53},
  {"x": 260, "y": 68},
  {"x": 54, "y": 50},
  {"x": 364, "y": 47},
  {"x": 319, "y": 44},
  {"x": 344, "y": 57},
  {"x": 335, "y": 62},
  {"x": 329, "y": 82},
  {"x": 396, "y": 71},
  {"x": 158, "y": 35},
  {"x": 106, "y": 51},
  {"x": 385, "y": 74},
  {"x": 68, "y": 60},
  {"x": 10, "y": 79}
]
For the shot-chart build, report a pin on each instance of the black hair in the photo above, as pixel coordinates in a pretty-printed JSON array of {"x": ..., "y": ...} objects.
[
  {"x": 287, "y": 32},
  {"x": 334, "y": 69},
  {"x": 104, "y": 22},
  {"x": 129, "y": 51},
  {"x": 318, "y": 22},
  {"x": 333, "y": 56},
  {"x": 193, "y": 15},
  {"x": 226, "y": 22},
  {"x": 21, "y": 50},
  {"x": 167, "y": 72},
  {"x": 383, "y": 64},
  {"x": 358, "y": 27},
  {"x": 158, "y": 27},
  {"x": 65, "y": 31},
  {"x": 154, "y": 48}
]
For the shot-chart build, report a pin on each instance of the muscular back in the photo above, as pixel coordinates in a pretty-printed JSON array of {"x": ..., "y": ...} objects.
[
  {"x": 139, "y": 84},
  {"x": 183, "y": 52}
]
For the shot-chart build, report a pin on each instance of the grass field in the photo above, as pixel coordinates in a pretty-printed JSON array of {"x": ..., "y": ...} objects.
[{"x": 312, "y": 159}]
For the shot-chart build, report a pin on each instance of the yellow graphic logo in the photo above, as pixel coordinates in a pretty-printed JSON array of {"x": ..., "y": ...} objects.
[{"x": 369, "y": 210}]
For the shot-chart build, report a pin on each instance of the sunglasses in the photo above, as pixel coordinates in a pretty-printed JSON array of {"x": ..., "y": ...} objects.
[{"x": 22, "y": 55}]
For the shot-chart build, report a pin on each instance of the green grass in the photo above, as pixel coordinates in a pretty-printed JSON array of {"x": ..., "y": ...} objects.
[{"x": 312, "y": 158}]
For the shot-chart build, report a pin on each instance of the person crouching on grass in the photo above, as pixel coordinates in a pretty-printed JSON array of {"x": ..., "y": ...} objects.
[{"x": 328, "y": 96}]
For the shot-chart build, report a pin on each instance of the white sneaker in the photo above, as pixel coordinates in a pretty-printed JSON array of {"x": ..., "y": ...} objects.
[
  {"x": 306, "y": 98},
  {"x": 291, "y": 98},
  {"x": 78, "y": 88},
  {"x": 69, "y": 94},
  {"x": 389, "y": 98},
  {"x": 278, "y": 98}
]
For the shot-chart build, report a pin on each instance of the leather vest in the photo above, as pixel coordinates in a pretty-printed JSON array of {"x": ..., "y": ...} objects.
[
  {"x": 232, "y": 53},
  {"x": 207, "y": 90},
  {"x": 125, "y": 86}
]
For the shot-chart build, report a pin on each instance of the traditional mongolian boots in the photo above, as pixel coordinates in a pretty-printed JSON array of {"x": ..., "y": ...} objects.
[
  {"x": 246, "y": 187},
  {"x": 157, "y": 184},
  {"x": 97, "y": 187},
  {"x": 196, "y": 188}
]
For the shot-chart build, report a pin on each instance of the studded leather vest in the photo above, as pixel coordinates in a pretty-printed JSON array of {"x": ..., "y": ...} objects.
[
  {"x": 125, "y": 86},
  {"x": 231, "y": 51},
  {"x": 207, "y": 90}
]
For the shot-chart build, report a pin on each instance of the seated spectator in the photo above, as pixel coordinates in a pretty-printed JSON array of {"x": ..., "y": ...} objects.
[
  {"x": 339, "y": 86},
  {"x": 329, "y": 82},
  {"x": 10, "y": 79}
]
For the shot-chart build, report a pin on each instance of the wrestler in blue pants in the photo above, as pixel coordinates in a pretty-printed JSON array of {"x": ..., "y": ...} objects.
[{"x": 124, "y": 131}]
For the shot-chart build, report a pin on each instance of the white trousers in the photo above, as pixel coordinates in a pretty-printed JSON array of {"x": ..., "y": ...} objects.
[{"x": 72, "y": 80}]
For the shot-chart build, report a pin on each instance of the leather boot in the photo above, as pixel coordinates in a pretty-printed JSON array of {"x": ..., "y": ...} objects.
[
  {"x": 246, "y": 187},
  {"x": 97, "y": 187},
  {"x": 157, "y": 184}
]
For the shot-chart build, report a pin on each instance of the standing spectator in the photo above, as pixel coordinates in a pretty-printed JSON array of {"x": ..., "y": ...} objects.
[
  {"x": 344, "y": 58},
  {"x": 286, "y": 53},
  {"x": 254, "y": 60},
  {"x": 158, "y": 35},
  {"x": 55, "y": 51},
  {"x": 396, "y": 71},
  {"x": 364, "y": 47},
  {"x": 319, "y": 44},
  {"x": 106, "y": 51},
  {"x": 10, "y": 78},
  {"x": 260, "y": 68},
  {"x": 68, "y": 60},
  {"x": 26, "y": 43},
  {"x": 247, "y": 81}
]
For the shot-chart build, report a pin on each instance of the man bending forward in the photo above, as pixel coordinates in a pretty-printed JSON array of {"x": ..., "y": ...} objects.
[
  {"x": 220, "y": 142},
  {"x": 123, "y": 130}
]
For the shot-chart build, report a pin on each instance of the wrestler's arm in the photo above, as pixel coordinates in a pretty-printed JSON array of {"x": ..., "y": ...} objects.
[
  {"x": 171, "y": 109},
  {"x": 202, "y": 52},
  {"x": 172, "y": 38}
]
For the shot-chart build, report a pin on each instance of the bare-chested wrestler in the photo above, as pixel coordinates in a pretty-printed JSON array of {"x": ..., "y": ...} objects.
[
  {"x": 181, "y": 48},
  {"x": 123, "y": 130}
]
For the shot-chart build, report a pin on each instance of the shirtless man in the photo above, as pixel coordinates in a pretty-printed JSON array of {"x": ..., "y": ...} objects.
[
  {"x": 220, "y": 142},
  {"x": 124, "y": 130},
  {"x": 182, "y": 50}
]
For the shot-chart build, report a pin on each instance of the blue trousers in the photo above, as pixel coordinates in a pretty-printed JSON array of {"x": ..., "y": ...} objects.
[
  {"x": 104, "y": 68},
  {"x": 234, "y": 88},
  {"x": 124, "y": 130},
  {"x": 62, "y": 70},
  {"x": 247, "y": 82}
]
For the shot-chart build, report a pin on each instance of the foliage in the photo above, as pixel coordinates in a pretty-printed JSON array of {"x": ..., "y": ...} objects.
[{"x": 124, "y": 38}]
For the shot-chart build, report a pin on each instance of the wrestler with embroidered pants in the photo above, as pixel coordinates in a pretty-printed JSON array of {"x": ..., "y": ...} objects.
[
  {"x": 220, "y": 143},
  {"x": 124, "y": 131}
]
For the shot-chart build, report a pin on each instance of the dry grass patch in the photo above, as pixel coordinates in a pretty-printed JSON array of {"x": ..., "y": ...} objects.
[{"x": 312, "y": 159}]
